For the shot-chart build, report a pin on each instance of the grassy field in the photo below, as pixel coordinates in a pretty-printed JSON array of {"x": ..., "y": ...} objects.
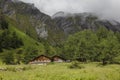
[{"x": 60, "y": 71}]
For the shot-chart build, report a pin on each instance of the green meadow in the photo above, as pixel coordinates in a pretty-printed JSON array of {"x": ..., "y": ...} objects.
[{"x": 60, "y": 71}]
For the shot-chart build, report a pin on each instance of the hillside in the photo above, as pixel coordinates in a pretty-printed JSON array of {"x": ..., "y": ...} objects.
[
  {"x": 29, "y": 43},
  {"x": 31, "y": 21}
]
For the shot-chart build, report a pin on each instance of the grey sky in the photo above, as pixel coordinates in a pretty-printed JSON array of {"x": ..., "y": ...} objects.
[{"x": 105, "y": 8}]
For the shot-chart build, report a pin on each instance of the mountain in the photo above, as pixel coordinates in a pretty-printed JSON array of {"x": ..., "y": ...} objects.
[
  {"x": 73, "y": 23},
  {"x": 30, "y": 20},
  {"x": 25, "y": 22},
  {"x": 15, "y": 45},
  {"x": 40, "y": 33},
  {"x": 54, "y": 29}
]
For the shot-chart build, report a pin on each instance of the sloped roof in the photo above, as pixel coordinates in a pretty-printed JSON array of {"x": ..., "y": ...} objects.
[
  {"x": 58, "y": 57},
  {"x": 41, "y": 56}
]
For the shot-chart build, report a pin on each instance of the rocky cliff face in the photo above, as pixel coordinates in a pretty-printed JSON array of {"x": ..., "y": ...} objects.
[
  {"x": 30, "y": 20},
  {"x": 76, "y": 22}
]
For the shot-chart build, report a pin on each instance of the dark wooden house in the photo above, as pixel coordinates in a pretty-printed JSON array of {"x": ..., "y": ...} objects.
[
  {"x": 58, "y": 59},
  {"x": 41, "y": 60}
]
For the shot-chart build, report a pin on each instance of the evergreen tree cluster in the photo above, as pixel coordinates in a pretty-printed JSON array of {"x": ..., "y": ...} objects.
[{"x": 9, "y": 40}]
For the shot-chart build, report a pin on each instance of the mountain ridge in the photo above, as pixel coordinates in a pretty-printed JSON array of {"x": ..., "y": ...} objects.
[
  {"x": 54, "y": 29},
  {"x": 80, "y": 21},
  {"x": 30, "y": 20}
]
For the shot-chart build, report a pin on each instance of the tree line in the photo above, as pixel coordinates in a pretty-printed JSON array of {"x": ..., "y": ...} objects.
[{"x": 87, "y": 45}]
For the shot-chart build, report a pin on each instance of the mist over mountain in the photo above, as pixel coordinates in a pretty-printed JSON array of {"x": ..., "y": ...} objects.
[
  {"x": 55, "y": 27},
  {"x": 107, "y": 9}
]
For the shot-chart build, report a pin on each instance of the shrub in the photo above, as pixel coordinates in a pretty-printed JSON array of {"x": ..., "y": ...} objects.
[
  {"x": 13, "y": 69},
  {"x": 76, "y": 65}
]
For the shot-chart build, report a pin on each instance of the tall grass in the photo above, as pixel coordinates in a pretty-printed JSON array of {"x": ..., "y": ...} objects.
[{"x": 62, "y": 72}]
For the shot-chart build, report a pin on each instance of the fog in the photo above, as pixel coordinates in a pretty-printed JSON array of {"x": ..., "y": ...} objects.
[{"x": 108, "y": 9}]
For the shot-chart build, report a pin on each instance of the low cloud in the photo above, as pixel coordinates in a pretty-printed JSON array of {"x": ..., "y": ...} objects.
[{"x": 108, "y": 9}]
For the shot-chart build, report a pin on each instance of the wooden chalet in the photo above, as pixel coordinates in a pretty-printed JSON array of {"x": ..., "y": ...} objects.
[
  {"x": 58, "y": 59},
  {"x": 41, "y": 60}
]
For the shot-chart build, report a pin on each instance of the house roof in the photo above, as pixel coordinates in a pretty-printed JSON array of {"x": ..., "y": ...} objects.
[
  {"x": 58, "y": 57},
  {"x": 48, "y": 57},
  {"x": 41, "y": 56}
]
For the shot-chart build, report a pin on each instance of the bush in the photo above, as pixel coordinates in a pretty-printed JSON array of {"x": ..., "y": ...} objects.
[
  {"x": 27, "y": 68},
  {"x": 13, "y": 69},
  {"x": 76, "y": 65}
]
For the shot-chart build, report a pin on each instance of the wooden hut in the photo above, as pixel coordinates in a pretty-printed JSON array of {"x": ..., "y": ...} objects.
[
  {"x": 58, "y": 59},
  {"x": 40, "y": 60}
]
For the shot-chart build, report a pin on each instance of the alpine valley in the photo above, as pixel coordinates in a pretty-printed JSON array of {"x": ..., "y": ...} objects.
[{"x": 26, "y": 32}]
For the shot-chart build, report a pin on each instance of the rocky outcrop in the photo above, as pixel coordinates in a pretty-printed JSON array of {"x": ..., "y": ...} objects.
[
  {"x": 77, "y": 22},
  {"x": 30, "y": 20}
]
